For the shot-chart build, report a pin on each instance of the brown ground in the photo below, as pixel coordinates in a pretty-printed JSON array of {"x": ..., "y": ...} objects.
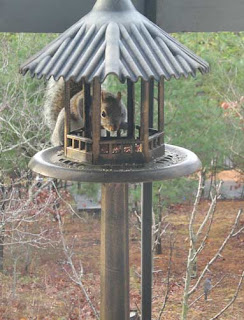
[
  {"x": 46, "y": 292},
  {"x": 230, "y": 175}
]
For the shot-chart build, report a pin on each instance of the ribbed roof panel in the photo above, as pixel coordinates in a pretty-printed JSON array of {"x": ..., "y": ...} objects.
[{"x": 122, "y": 43}]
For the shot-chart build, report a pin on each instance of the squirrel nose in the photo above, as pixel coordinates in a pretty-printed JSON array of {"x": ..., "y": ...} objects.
[{"x": 113, "y": 127}]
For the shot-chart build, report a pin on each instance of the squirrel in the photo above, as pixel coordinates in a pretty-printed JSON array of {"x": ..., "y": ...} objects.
[
  {"x": 207, "y": 287},
  {"x": 113, "y": 111}
]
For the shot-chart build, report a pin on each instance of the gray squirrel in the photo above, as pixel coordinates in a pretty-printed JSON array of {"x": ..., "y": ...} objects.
[
  {"x": 207, "y": 287},
  {"x": 113, "y": 111}
]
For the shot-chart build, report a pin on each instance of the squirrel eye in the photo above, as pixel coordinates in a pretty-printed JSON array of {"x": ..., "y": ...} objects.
[{"x": 104, "y": 114}]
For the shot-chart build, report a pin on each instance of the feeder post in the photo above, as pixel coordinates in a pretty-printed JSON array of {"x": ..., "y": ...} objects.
[
  {"x": 144, "y": 131},
  {"x": 114, "y": 252},
  {"x": 96, "y": 119},
  {"x": 86, "y": 111},
  {"x": 161, "y": 105},
  {"x": 67, "y": 114},
  {"x": 151, "y": 102},
  {"x": 146, "y": 235},
  {"x": 131, "y": 108}
]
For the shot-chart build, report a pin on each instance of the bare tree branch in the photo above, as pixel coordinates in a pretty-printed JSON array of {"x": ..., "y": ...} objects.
[
  {"x": 66, "y": 203},
  {"x": 211, "y": 209},
  {"x": 232, "y": 300},
  {"x": 168, "y": 279},
  {"x": 218, "y": 253},
  {"x": 76, "y": 276},
  {"x": 198, "y": 298}
]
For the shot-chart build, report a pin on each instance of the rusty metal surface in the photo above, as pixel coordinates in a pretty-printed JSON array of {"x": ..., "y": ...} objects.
[
  {"x": 114, "y": 38},
  {"x": 177, "y": 162},
  {"x": 114, "y": 252}
]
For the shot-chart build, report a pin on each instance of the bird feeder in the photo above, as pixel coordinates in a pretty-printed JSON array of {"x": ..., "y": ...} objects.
[{"x": 115, "y": 39}]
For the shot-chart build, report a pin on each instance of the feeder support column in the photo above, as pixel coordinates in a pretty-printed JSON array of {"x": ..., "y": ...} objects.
[
  {"x": 144, "y": 131},
  {"x": 96, "y": 119},
  {"x": 114, "y": 252},
  {"x": 67, "y": 114},
  {"x": 161, "y": 106},
  {"x": 86, "y": 111},
  {"x": 131, "y": 108}
]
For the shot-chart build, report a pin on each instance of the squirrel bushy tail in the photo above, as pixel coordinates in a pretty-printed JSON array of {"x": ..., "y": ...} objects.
[
  {"x": 53, "y": 101},
  {"x": 55, "y": 98}
]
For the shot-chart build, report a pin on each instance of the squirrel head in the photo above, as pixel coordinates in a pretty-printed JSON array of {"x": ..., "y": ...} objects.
[{"x": 111, "y": 111}]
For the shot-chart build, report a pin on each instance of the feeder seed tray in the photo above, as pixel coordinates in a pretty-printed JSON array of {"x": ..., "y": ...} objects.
[{"x": 176, "y": 162}]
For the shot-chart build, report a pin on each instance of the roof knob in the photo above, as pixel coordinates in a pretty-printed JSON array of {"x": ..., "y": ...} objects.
[{"x": 113, "y": 5}]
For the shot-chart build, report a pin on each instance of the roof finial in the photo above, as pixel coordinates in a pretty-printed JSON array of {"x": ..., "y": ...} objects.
[{"x": 113, "y": 5}]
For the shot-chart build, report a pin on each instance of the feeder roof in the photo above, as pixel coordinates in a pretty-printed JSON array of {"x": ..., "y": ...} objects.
[{"x": 114, "y": 38}]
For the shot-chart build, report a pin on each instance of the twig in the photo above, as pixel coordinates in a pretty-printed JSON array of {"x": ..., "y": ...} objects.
[
  {"x": 66, "y": 203},
  {"x": 217, "y": 254},
  {"x": 191, "y": 304},
  {"x": 210, "y": 215},
  {"x": 232, "y": 300},
  {"x": 196, "y": 203},
  {"x": 76, "y": 278},
  {"x": 168, "y": 280},
  {"x": 211, "y": 208}
]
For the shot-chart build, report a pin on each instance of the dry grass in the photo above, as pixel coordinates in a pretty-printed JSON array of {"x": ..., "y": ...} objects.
[{"x": 46, "y": 293}]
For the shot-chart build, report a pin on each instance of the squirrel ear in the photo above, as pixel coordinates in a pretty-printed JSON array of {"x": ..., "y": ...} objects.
[{"x": 119, "y": 96}]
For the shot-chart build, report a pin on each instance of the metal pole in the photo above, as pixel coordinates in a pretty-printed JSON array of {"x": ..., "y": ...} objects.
[
  {"x": 67, "y": 114},
  {"x": 146, "y": 199},
  {"x": 146, "y": 235},
  {"x": 150, "y": 10},
  {"x": 114, "y": 252},
  {"x": 146, "y": 255}
]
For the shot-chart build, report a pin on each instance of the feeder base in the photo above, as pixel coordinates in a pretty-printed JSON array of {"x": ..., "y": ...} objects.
[{"x": 176, "y": 162}]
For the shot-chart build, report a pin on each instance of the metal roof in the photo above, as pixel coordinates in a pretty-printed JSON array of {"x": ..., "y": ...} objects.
[{"x": 114, "y": 38}]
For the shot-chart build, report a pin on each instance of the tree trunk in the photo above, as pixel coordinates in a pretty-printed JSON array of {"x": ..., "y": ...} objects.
[
  {"x": 185, "y": 306},
  {"x": 2, "y": 229},
  {"x": 158, "y": 247},
  {"x": 1, "y": 252},
  {"x": 27, "y": 259}
]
